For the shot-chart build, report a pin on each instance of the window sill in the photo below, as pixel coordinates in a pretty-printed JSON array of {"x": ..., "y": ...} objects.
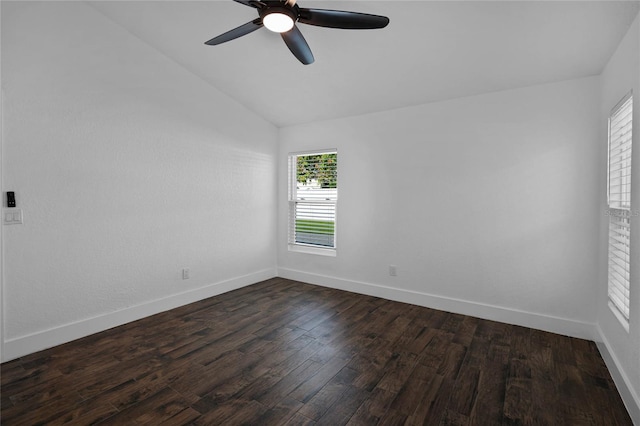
[{"x": 312, "y": 250}]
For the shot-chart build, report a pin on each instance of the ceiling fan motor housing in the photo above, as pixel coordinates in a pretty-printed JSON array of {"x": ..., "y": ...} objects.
[{"x": 292, "y": 12}]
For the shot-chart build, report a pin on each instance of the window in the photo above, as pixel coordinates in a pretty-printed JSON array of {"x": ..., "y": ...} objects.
[
  {"x": 313, "y": 198},
  {"x": 619, "y": 199}
]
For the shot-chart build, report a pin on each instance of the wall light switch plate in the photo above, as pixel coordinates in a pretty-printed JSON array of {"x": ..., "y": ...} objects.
[{"x": 12, "y": 216}]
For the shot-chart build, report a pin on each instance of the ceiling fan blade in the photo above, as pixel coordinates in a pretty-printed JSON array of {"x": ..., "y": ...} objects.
[
  {"x": 251, "y": 3},
  {"x": 342, "y": 19},
  {"x": 298, "y": 45},
  {"x": 245, "y": 29}
]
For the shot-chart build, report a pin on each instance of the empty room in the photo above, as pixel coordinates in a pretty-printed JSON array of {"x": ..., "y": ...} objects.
[{"x": 312, "y": 212}]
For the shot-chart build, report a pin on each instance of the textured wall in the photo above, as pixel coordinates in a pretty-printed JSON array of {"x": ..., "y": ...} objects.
[{"x": 128, "y": 169}]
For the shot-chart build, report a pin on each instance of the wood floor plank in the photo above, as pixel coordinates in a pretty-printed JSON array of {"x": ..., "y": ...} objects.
[
  {"x": 465, "y": 390},
  {"x": 413, "y": 338},
  {"x": 299, "y": 420},
  {"x": 125, "y": 371},
  {"x": 407, "y": 399},
  {"x": 307, "y": 389},
  {"x": 430, "y": 388},
  {"x": 373, "y": 408},
  {"x": 397, "y": 371},
  {"x": 329, "y": 395},
  {"x": 32, "y": 378},
  {"x": 87, "y": 412},
  {"x": 39, "y": 413},
  {"x": 392, "y": 418},
  {"x": 434, "y": 353},
  {"x": 203, "y": 381},
  {"x": 370, "y": 362},
  {"x": 287, "y": 384},
  {"x": 280, "y": 413},
  {"x": 517, "y": 408},
  {"x": 12, "y": 371},
  {"x": 134, "y": 391},
  {"x": 219, "y": 414},
  {"x": 281, "y": 352},
  {"x": 153, "y": 410},
  {"x": 184, "y": 417},
  {"x": 295, "y": 364},
  {"x": 449, "y": 370},
  {"x": 454, "y": 418},
  {"x": 232, "y": 412},
  {"x": 341, "y": 411},
  {"x": 488, "y": 407}
]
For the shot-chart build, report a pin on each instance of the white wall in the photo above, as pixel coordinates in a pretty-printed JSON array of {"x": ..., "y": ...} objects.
[
  {"x": 486, "y": 205},
  {"x": 621, "y": 349},
  {"x": 128, "y": 168}
]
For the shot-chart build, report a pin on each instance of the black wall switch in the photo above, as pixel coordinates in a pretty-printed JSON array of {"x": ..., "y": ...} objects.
[{"x": 11, "y": 199}]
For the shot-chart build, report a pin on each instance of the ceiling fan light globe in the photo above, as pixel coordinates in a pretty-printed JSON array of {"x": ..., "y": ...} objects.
[{"x": 278, "y": 22}]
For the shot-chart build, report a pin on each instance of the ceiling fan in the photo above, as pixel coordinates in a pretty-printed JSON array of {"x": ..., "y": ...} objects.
[{"x": 281, "y": 17}]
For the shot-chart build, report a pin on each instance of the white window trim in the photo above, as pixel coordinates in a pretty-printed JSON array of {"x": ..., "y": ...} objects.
[
  {"x": 292, "y": 178},
  {"x": 321, "y": 251},
  {"x": 616, "y": 312},
  {"x": 622, "y": 317}
]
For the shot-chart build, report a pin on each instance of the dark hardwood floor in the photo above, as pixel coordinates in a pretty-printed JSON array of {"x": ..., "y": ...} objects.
[{"x": 285, "y": 353}]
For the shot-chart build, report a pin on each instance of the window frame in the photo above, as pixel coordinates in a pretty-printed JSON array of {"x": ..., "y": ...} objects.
[
  {"x": 619, "y": 227},
  {"x": 292, "y": 200}
]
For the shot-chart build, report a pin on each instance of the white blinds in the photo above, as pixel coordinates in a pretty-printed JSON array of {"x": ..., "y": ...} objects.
[
  {"x": 313, "y": 196},
  {"x": 620, "y": 155},
  {"x": 619, "y": 194},
  {"x": 619, "y": 278}
]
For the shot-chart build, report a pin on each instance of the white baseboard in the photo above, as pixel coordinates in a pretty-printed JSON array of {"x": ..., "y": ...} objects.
[
  {"x": 35, "y": 342},
  {"x": 24, "y": 345},
  {"x": 564, "y": 326},
  {"x": 629, "y": 395}
]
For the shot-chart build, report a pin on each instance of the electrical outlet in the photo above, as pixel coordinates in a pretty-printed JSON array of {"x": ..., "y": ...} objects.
[
  {"x": 393, "y": 270},
  {"x": 186, "y": 273}
]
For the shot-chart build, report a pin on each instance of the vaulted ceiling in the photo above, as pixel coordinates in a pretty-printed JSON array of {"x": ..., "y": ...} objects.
[{"x": 430, "y": 51}]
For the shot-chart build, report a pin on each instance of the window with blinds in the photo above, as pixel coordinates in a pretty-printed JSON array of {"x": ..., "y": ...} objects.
[
  {"x": 313, "y": 199},
  {"x": 619, "y": 199}
]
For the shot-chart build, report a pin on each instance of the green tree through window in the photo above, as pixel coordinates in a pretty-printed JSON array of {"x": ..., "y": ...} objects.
[{"x": 320, "y": 167}]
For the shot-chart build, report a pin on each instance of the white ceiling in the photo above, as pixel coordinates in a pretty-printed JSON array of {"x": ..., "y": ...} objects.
[{"x": 431, "y": 51}]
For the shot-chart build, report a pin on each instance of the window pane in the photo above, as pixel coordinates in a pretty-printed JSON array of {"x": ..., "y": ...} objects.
[
  {"x": 315, "y": 224},
  {"x": 313, "y": 195}
]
